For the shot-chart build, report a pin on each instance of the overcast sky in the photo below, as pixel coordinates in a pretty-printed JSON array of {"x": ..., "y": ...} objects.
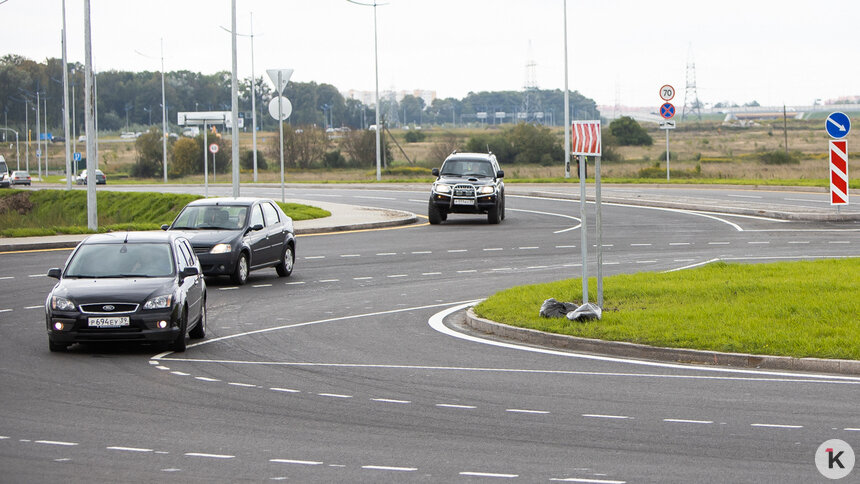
[{"x": 620, "y": 51}]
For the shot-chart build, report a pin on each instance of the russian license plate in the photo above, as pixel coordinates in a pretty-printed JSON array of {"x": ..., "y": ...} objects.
[
  {"x": 109, "y": 322},
  {"x": 463, "y": 201}
]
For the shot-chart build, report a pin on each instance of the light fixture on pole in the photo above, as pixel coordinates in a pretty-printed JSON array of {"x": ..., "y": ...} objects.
[{"x": 376, "y": 70}]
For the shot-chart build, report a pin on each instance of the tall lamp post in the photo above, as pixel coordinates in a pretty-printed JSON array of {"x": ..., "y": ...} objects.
[
  {"x": 163, "y": 111},
  {"x": 567, "y": 126},
  {"x": 66, "y": 106},
  {"x": 253, "y": 95},
  {"x": 376, "y": 71}
]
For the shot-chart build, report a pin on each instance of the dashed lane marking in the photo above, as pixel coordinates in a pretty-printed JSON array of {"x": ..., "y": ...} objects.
[
  {"x": 297, "y": 462},
  {"x": 315, "y": 257},
  {"x": 294, "y": 283},
  {"x": 489, "y": 474},
  {"x": 361, "y": 278},
  {"x": 686, "y": 421},
  {"x": 490, "y": 249},
  {"x": 586, "y": 481},
  {"x": 640, "y": 245},
  {"x": 422, "y": 252},
  {"x": 209, "y": 456},
  {"x": 129, "y": 449},
  {"x": 390, "y": 400},
  {"x": 466, "y": 271},
  {"x": 228, "y": 288},
  {"x": 397, "y": 275},
  {"x": 180, "y": 373},
  {"x": 262, "y": 285},
  {"x": 284, "y": 390},
  {"x": 5, "y": 310},
  {"x": 777, "y": 426},
  {"x": 334, "y": 395},
  {"x": 6, "y": 278},
  {"x": 528, "y": 248},
  {"x": 431, "y": 273},
  {"x": 56, "y": 442},
  {"x": 243, "y": 385},
  {"x": 597, "y": 415},
  {"x": 719, "y": 243},
  {"x": 387, "y": 253},
  {"x": 330, "y": 280},
  {"x": 454, "y": 405},
  {"x": 761, "y": 242},
  {"x": 350, "y": 255},
  {"x": 389, "y": 468},
  {"x": 206, "y": 378},
  {"x": 457, "y": 250},
  {"x": 521, "y": 410}
]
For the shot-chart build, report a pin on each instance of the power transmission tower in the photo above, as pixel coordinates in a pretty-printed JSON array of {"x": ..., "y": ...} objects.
[
  {"x": 691, "y": 97},
  {"x": 531, "y": 98}
]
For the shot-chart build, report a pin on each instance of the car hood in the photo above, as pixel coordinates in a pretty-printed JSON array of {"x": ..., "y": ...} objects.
[
  {"x": 132, "y": 289},
  {"x": 453, "y": 180},
  {"x": 208, "y": 238}
]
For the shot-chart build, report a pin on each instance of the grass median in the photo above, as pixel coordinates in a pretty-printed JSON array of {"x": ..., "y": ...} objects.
[
  {"x": 29, "y": 213},
  {"x": 799, "y": 309}
]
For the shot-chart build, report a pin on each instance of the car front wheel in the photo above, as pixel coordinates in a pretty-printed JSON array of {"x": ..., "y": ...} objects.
[
  {"x": 434, "y": 214},
  {"x": 240, "y": 274},
  {"x": 199, "y": 331},
  {"x": 179, "y": 343}
]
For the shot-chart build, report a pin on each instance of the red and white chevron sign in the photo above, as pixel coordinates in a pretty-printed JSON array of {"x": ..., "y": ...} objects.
[
  {"x": 838, "y": 172},
  {"x": 586, "y": 138}
]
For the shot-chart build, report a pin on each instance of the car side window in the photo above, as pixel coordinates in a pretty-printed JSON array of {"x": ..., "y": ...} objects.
[
  {"x": 257, "y": 216},
  {"x": 181, "y": 256},
  {"x": 188, "y": 251},
  {"x": 271, "y": 214}
]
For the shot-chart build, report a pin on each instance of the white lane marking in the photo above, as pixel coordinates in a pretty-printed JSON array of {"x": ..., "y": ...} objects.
[
  {"x": 454, "y": 405},
  {"x": 640, "y": 245},
  {"x": 719, "y": 243},
  {"x": 458, "y": 250},
  {"x": 536, "y": 267},
  {"x": 330, "y": 280},
  {"x": 587, "y": 481},
  {"x": 465, "y": 271},
  {"x": 364, "y": 278},
  {"x": 852, "y": 429},
  {"x": 34, "y": 307},
  {"x": 396, "y": 275},
  {"x": 578, "y": 225},
  {"x": 63, "y": 459},
  {"x": 171, "y": 469},
  {"x": 565, "y": 246},
  {"x": 389, "y": 468},
  {"x": 838, "y": 242},
  {"x": 598, "y": 415},
  {"x": 489, "y": 474},
  {"x": 492, "y": 249},
  {"x": 37, "y": 275},
  {"x": 387, "y": 253},
  {"x": 6, "y": 277},
  {"x": 153, "y": 362},
  {"x": 777, "y": 426},
  {"x": 758, "y": 242},
  {"x": 5, "y": 310},
  {"x": 228, "y": 288},
  {"x": 798, "y": 241},
  {"x": 210, "y": 456},
  {"x": 528, "y": 248},
  {"x": 56, "y": 442},
  {"x": 294, "y": 283},
  {"x": 646, "y": 261},
  {"x": 181, "y": 373},
  {"x": 743, "y": 196},
  {"x": 502, "y": 269},
  {"x": 431, "y": 273},
  {"x": 692, "y": 265},
  {"x": 389, "y": 400},
  {"x": 129, "y": 449},
  {"x": 422, "y": 252},
  {"x": 681, "y": 420},
  {"x": 374, "y": 198},
  {"x": 417, "y": 201},
  {"x": 683, "y": 260},
  {"x": 334, "y": 395},
  {"x": 350, "y": 255},
  {"x": 299, "y": 462},
  {"x": 4, "y": 437},
  {"x": 522, "y": 410},
  {"x": 284, "y": 390},
  {"x": 806, "y": 200},
  {"x": 437, "y": 323},
  {"x": 315, "y": 257},
  {"x": 611, "y": 263},
  {"x": 680, "y": 243},
  {"x": 262, "y": 285},
  {"x": 206, "y": 378},
  {"x": 244, "y": 385},
  {"x": 163, "y": 368}
]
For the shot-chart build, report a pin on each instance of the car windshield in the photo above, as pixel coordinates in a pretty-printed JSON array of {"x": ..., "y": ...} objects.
[
  {"x": 212, "y": 217},
  {"x": 467, "y": 168},
  {"x": 139, "y": 259}
]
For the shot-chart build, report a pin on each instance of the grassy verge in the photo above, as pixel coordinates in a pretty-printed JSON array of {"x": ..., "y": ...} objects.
[
  {"x": 51, "y": 212},
  {"x": 800, "y": 309}
]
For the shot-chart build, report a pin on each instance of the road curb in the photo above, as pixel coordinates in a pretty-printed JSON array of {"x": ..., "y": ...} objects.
[{"x": 674, "y": 355}]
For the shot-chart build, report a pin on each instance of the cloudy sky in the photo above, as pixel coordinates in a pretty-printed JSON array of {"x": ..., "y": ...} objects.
[{"x": 620, "y": 51}]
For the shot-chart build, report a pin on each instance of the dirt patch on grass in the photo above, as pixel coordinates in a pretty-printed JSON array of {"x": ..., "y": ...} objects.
[{"x": 16, "y": 202}]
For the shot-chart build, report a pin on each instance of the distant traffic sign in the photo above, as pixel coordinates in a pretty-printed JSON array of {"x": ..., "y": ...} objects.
[
  {"x": 286, "y": 108},
  {"x": 667, "y": 110},
  {"x": 838, "y": 125},
  {"x": 279, "y": 75},
  {"x": 667, "y": 92},
  {"x": 38, "y": 153},
  {"x": 77, "y": 156},
  {"x": 213, "y": 148},
  {"x": 667, "y": 124}
]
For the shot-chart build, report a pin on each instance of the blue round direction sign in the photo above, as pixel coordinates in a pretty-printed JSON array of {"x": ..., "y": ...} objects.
[
  {"x": 838, "y": 125},
  {"x": 667, "y": 110}
]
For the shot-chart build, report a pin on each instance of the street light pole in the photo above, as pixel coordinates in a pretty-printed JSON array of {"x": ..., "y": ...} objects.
[
  {"x": 163, "y": 116},
  {"x": 66, "y": 106},
  {"x": 376, "y": 71},
  {"x": 567, "y": 126},
  {"x": 234, "y": 100},
  {"x": 253, "y": 100},
  {"x": 92, "y": 209}
]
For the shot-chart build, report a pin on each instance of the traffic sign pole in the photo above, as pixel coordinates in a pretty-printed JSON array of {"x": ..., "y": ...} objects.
[
  {"x": 667, "y": 110},
  {"x": 205, "y": 160}
]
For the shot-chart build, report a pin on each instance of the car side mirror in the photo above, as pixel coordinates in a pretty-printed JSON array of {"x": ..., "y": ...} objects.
[
  {"x": 434, "y": 172},
  {"x": 500, "y": 174},
  {"x": 55, "y": 272},
  {"x": 257, "y": 227},
  {"x": 165, "y": 227},
  {"x": 188, "y": 272}
]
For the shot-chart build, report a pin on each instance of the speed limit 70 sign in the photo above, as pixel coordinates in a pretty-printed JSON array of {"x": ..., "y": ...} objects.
[{"x": 667, "y": 92}]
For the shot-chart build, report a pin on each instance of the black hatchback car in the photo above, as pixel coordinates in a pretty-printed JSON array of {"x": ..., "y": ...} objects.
[
  {"x": 133, "y": 286},
  {"x": 233, "y": 236},
  {"x": 468, "y": 183}
]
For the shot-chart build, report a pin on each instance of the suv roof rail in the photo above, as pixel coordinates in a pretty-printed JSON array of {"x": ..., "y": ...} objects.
[{"x": 454, "y": 152}]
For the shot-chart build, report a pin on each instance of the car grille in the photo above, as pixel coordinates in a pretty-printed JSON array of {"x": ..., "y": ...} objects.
[
  {"x": 464, "y": 191},
  {"x": 201, "y": 250},
  {"x": 109, "y": 308}
]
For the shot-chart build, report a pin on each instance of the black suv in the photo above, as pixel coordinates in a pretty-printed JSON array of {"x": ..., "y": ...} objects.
[{"x": 468, "y": 183}]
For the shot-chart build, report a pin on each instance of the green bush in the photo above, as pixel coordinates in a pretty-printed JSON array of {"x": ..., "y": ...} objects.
[
  {"x": 246, "y": 160},
  {"x": 334, "y": 159},
  {"x": 522, "y": 144},
  {"x": 415, "y": 136},
  {"x": 779, "y": 157},
  {"x": 629, "y": 133}
]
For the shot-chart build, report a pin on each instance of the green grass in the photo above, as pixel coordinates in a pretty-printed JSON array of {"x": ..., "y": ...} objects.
[
  {"x": 25, "y": 213},
  {"x": 799, "y": 309}
]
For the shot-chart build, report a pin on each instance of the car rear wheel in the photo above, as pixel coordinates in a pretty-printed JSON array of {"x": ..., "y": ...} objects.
[
  {"x": 240, "y": 274},
  {"x": 285, "y": 268},
  {"x": 199, "y": 331},
  {"x": 179, "y": 343},
  {"x": 434, "y": 214}
]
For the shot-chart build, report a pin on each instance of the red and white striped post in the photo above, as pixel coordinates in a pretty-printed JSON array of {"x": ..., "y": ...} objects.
[
  {"x": 586, "y": 142},
  {"x": 838, "y": 173}
]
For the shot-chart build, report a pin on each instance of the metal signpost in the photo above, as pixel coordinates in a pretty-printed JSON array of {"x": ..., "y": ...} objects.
[
  {"x": 213, "y": 148},
  {"x": 667, "y": 111},
  {"x": 586, "y": 141},
  {"x": 280, "y": 108},
  {"x": 205, "y": 118},
  {"x": 838, "y": 125}
]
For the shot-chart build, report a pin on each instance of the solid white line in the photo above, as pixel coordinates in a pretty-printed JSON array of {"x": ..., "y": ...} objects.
[
  {"x": 262, "y": 285},
  {"x": 315, "y": 257},
  {"x": 285, "y": 390},
  {"x": 300, "y": 462},
  {"x": 492, "y": 249},
  {"x": 487, "y": 474},
  {"x": 364, "y": 278},
  {"x": 330, "y": 280},
  {"x": 520, "y": 410},
  {"x": 552, "y": 214},
  {"x": 680, "y": 420},
  {"x": 777, "y": 426},
  {"x": 350, "y": 255},
  {"x": 56, "y": 442},
  {"x": 388, "y": 400},
  {"x": 334, "y": 395},
  {"x": 394, "y": 275},
  {"x": 597, "y": 415},
  {"x": 211, "y": 456},
  {"x": 129, "y": 449},
  {"x": 588, "y": 481},
  {"x": 244, "y": 385},
  {"x": 206, "y": 378},
  {"x": 387, "y": 468},
  {"x": 452, "y": 405}
]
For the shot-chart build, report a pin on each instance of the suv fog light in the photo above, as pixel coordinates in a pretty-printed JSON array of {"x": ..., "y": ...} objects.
[
  {"x": 162, "y": 324},
  {"x": 58, "y": 326}
]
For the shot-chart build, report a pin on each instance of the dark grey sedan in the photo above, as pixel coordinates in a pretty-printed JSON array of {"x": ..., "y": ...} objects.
[{"x": 233, "y": 236}]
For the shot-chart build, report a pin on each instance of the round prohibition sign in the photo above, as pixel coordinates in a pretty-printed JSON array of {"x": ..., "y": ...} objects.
[
  {"x": 213, "y": 148},
  {"x": 667, "y": 110},
  {"x": 667, "y": 92}
]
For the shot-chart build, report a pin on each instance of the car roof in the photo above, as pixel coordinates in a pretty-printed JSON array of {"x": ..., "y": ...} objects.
[
  {"x": 471, "y": 156},
  {"x": 243, "y": 201},
  {"x": 132, "y": 237}
]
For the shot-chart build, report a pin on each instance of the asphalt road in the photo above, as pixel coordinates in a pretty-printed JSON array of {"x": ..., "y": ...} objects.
[{"x": 352, "y": 369}]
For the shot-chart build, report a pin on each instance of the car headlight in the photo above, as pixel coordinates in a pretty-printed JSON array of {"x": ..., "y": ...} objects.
[
  {"x": 487, "y": 190},
  {"x": 220, "y": 249},
  {"x": 159, "y": 302},
  {"x": 440, "y": 188},
  {"x": 62, "y": 304}
]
